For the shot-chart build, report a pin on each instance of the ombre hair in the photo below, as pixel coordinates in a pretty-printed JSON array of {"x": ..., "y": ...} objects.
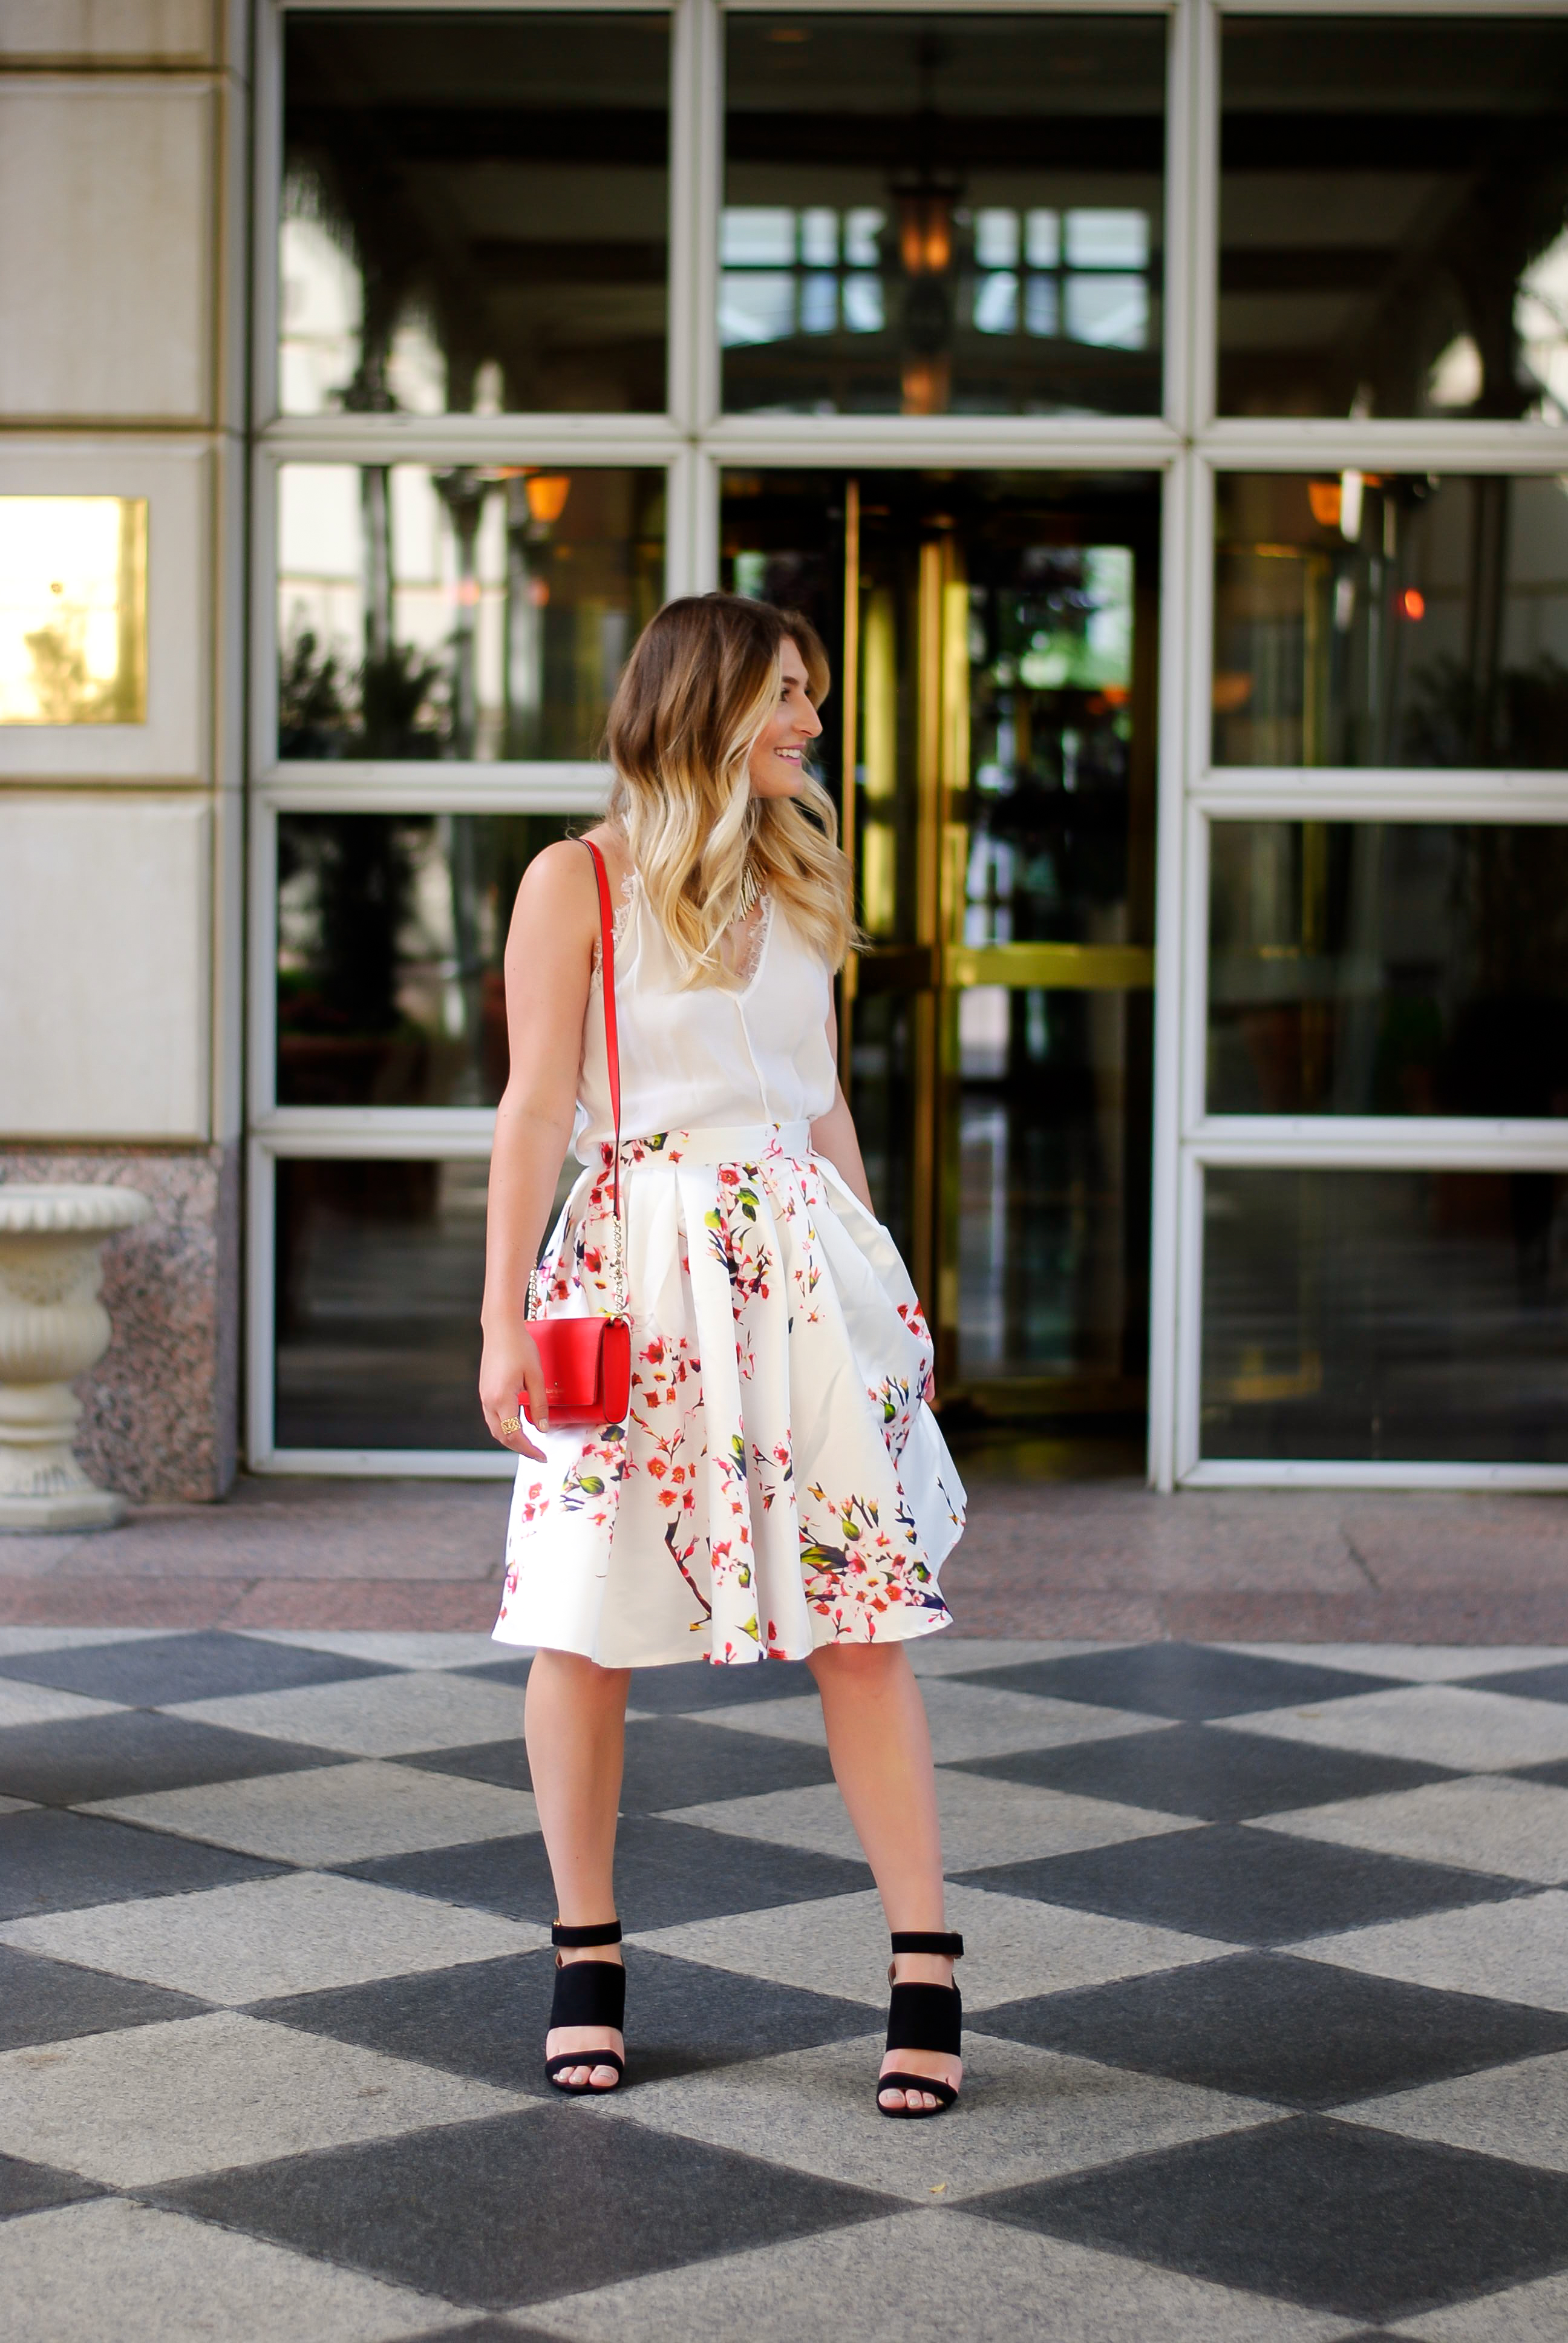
[{"x": 701, "y": 681}]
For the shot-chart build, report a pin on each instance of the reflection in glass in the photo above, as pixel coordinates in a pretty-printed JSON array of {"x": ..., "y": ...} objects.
[
  {"x": 1053, "y": 1188},
  {"x": 482, "y": 612},
  {"x": 73, "y": 610},
  {"x": 942, "y": 214},
  {"x": 390, "y": 933},
  {"x": 380, "y": 1269},
  {"x": 1406, "y": 1315},
  {"x": 475, "y": 212},
  {"x": 1388, "y": 968},
  {"x": 1393, "y": 216},
  {"x": 1396, "y": 620}
]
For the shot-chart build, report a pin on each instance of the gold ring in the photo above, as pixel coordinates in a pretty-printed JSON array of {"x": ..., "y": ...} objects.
[{"x": 512, "y": 1423}]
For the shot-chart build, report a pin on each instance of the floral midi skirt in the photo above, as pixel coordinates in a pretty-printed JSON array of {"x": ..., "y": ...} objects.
[{"x": 779, "y": 1482}]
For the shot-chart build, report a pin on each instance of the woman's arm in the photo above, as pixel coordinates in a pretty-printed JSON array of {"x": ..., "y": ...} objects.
[
  {"x": 833, "y": 1134},
  {"x": 548, "y": 965}
]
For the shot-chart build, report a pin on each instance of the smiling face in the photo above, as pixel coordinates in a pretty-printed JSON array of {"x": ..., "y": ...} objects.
[{"x": 777, "y": 754}]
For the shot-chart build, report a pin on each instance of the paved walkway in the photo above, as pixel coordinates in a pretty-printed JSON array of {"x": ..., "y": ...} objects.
[
  {"x": 1041, "y": 1557},
  {"x": 1267, "y": 1994}
]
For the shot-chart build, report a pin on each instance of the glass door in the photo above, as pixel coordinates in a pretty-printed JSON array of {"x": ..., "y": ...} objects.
[{"x": 992, "y": 744}]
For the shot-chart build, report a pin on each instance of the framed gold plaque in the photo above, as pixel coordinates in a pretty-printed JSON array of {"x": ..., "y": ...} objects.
[{"x": 73, "y": 610}]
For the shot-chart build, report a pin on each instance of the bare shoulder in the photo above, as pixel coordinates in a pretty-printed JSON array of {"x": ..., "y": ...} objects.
[
  {"x": 613, "y": 847},
  {"x": 557, "y": 900}
]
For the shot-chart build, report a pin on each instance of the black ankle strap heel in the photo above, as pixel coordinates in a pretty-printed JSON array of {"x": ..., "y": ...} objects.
[
  {"x": 923, "y": 2018},
  {"x": 588, "y": 1993}
]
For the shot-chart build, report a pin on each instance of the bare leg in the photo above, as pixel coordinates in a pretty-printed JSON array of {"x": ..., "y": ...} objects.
[
  {"x": 881, "y": 1751},
  {"x": 575, "y": 1720}
]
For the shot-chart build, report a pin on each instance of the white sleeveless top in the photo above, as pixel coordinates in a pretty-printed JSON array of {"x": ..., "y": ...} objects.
[{"x": 706, "y": 1055}]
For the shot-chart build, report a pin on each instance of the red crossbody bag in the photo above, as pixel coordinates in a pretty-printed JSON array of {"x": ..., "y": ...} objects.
[{"x": 587, "y": 1362}]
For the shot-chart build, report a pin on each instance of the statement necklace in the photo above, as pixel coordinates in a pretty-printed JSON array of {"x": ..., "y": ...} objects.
[{"x": 750, "y": 890}]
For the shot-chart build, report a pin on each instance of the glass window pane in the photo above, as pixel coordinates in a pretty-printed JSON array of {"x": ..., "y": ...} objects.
[
  {"x": 934, "y": 150},
  {"x": 1393, "y": 228},
  {"x": 1388, "y": 968},
  {"x": 1391, "y": 619},
  {"x": 475, "y": 212},
  {"x": 1054, "y": 1187},
  {"x": 380, "y": 1270},
  {"x": 73, "y": 610},
  {"x": 390, "y": 933},
  {"x": 1399, "y": 1315},
  {"x": 484, "y": 611}
]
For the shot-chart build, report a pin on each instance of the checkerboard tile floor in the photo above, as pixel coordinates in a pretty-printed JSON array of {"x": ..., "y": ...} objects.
[{"x": 1267, "y": 2001}]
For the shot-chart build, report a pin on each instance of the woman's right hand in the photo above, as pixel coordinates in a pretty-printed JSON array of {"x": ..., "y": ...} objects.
[{"x": 510, "y": 1365}]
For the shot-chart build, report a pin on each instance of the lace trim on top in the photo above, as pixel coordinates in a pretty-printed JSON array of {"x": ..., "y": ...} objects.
[
  {"x": 744, "y": 970},
  {"x": 618, "y": 923}
]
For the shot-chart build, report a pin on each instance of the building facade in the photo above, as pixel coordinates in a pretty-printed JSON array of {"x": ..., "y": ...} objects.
[{"x": 1158, "y": 412}]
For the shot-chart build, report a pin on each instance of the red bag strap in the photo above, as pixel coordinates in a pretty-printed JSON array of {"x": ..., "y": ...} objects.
[{"x": 611, "y": 1042}]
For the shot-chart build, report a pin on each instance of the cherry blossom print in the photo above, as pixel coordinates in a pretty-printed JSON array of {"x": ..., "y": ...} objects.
[{"x": 780, "y": 1481}]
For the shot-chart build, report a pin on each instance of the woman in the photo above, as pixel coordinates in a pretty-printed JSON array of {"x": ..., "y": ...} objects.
[{"x": 780, "y": 1489}]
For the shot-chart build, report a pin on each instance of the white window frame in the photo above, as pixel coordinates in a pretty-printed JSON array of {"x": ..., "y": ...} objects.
[{"x": 1187, "y": 445}]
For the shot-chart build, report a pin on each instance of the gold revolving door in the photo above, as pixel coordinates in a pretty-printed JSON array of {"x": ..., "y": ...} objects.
[{"x": 991, "y": 742}]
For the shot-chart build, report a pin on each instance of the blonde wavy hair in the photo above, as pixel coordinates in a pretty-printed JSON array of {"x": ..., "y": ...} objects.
[{"x": 700, "y": 685}]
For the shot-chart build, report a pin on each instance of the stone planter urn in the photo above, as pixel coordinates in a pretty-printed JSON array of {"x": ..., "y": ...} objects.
[{"x": 53, "y": 1327}]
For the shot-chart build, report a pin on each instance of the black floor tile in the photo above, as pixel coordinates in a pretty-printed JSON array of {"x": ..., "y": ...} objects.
[
  {"x": 1242, "y": 1886},
  {"x": 666, "y": 1873},
  {"x": 53, "y": 1862},
  {"x": 1220, "y": 1776},
  {"x": 1191, "y": 1680},
  {"x": 1555, "y": 1772},
  {"x": 677, "y": 1760},
  {"x": 1315, "y": 2212},
  {"x": 671, "y": 1761},
  {"x": 488, "y": 2020},
  {"x": 491, "y": 2331},
  {"x": 51, "y": 2001},
  {"x": 71, "y": 1762},
  {"x": 686, "y": 1689},
  {"x": 1529, "y": 1684},
  {"x": 504, "y": 1761},
  {"x": 507, "y": 1667},
  {"x": 525, "y": 2206},
  {"x": 160, "y": 1671},
  {"x": 1266, "y": 2026},
  {"x": 35, "y": 2188}
]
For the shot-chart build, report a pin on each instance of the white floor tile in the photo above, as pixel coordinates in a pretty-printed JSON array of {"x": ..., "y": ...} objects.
[
  {"x": 173, "y": 2280},
  {"x": 1487, "y": 1821},
  {"x": 1435, "y": 1725},
  {"x": 30, "y": 1703},
  {"x": 1518, "y": 2111},
  {"x": 926, "y": 2277},
  {"x": 966, "y": 1720},
  {"x": 1516, "y": 1951},
  {"x": 17, "y": 1806},
  {"x": 1537, "y": 2313},
  {"x": 335, "y": 1814},
  {"x": 983, "y": 1822},
  {"x": 158, "y": 2103},
  {"x": 1029, "y": 2115},
  {"x": 1017, "y": 1949},
  {"x": 375, "y": 1716},
  {"x": 298, "y": 1933}
]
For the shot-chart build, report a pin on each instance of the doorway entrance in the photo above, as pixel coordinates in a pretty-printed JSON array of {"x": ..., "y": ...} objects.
[{"x": 992, "y": 741}]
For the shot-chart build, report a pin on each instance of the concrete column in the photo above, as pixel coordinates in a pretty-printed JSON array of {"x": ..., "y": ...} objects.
[{"x": 124, "y": 170}]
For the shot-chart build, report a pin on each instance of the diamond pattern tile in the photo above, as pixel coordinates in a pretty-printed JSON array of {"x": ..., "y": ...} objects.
[{"x": 1266, "y": 1995}]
